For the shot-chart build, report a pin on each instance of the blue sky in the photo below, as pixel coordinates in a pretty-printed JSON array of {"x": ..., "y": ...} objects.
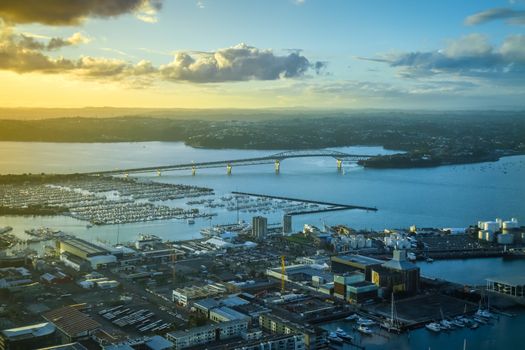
[{"x": 311, "y": 53}]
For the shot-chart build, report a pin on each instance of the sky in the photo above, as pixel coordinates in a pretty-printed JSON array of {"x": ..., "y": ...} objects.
[{"x": 411, "y": 54}]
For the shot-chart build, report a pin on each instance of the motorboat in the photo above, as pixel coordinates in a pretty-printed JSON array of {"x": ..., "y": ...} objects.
[
  {"x": 445, "y": 324},
  {"x": 365, "y": 321},
  {"x": 333, "y": 337},
  {"x": 343, "y": 335},
  {"x": 483, "y": 313},
  {"x": 352, "y": 317},
  {"x": 433, "y": 326},
  {"x": 364, "y": 329}
]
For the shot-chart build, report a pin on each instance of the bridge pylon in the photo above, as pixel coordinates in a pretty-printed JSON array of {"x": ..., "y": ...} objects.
[
  {"x": 158, "y": 172},
  {"x": 193, "y": 170},
  {"x": 339, "y": 164},
  {"x": 277, "y": 166},
  {"x": 228, "y": 169}
]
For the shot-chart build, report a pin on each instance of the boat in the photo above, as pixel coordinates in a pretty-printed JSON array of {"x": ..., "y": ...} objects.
[
  {"x": 433, "y": 326},
  {"x": 392, "y": 325},
  {"x": 429, "y": 260},
  {"x": 445, "y": 324},
  {"x": 365, "y": 321},
  {"x": 332, "y": 336},
  {"x": 352, "y": 317},
  {"x": 343, "y": 335},
  {"x": 483, "y": 313},
  {"x": 458, "y": 323},
  {"x": 474, "y": 325},
  {"x": 191, "y": 221},
  {"x": 364, "y": 329},
  {"x": 480, "y": 320}
]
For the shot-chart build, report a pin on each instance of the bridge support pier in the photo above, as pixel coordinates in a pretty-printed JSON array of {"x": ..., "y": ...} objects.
[
  {"x": 339, "y": 164},
  {"x": 228, "y": 169},
  {"x": 158, "y": 172},
  {"x": 193, "y": 171},
  {"x": 277, "y": 166}
]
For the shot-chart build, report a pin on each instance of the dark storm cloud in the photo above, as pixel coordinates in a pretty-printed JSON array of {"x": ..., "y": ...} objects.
[{"x": 69, "y": 12}]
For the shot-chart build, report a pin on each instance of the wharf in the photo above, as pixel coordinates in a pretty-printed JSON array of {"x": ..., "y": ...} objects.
[{"x": 333, "y": 206}]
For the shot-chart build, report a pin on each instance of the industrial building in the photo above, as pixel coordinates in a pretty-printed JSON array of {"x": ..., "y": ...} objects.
[
  {"x": 77, "y": 251},
  {"x": 352, "y": 287},
  {"x": 29, "y": 337},
  {"x": 314, "y": 274},
  {"x": 259, "y": 227},
  {"x": 207, "y": 334},
  {"x": 355, "y": 262},
  {"x": 397, "y": 275},
  {"x": 71, "y": 323}
]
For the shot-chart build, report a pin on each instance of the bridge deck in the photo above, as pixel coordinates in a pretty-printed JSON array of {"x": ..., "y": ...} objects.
[{"x": 237, "y": 162}]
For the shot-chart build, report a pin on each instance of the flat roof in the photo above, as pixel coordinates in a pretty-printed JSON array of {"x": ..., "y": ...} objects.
[
  {"x": 31, "y": 331},
  {"x": 509, "y": 280},
  {"x": 359, "y": 259},
  {"x": 228, "y": 313},
  {"x": 85, "y": 246},
  {"x": 201, "y": 329},
  {"x": 71, "y": 321}
]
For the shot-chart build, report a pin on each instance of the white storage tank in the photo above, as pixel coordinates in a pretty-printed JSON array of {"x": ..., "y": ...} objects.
[
  {"x": 505, "y": 239},
  {"x": 489, "y": 236},
  {"x": 481, "y": 224},
  {"x": 368, "y": 243},
  {"x": 491, "y": 226}
]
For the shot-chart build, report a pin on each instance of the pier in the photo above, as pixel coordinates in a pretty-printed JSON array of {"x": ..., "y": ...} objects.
[{"x": 330, "y": 206}]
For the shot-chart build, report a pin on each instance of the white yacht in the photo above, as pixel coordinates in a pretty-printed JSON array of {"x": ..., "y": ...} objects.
[
  {"x": 433, "y": 326},
  {"x": 364, "y": 329}
]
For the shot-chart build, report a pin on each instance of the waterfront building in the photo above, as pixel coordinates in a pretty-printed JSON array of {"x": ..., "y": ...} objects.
[
  {"x": 397, "y": 274},
  {"x": 355, "y": 262},
  {"x": 314, "y": 338},
  {"x": 207, "y": 334},
  {"x": 510, "y": 286},
  {"x": 85, "y": 251},
  {"x": 259, "y": 227}
]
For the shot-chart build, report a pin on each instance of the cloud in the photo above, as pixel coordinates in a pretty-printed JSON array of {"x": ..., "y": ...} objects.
[
  {"x": 508, "y": 15},
  {"x": 24, "y": 54},
  {"x": 73, "y": 12},
  {"x": 470, "y": 56},
  {"x": 237, "y": 63}
]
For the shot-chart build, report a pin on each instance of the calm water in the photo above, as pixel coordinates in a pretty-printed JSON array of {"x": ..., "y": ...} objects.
[{"x": 451, "y": 196}]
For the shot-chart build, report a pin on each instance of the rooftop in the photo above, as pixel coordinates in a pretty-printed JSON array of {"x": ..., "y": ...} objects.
[
  {"x": 88, "y": 248},
  {"x": 229, "y": 314},
  {"x": 32, "y": 331},
  {"x": 359, "y": 259},
  {"x": 71, "y": 321},
  {"x": 513, "y": 281}
]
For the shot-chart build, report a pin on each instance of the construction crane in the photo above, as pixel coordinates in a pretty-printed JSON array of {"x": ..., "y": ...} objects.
[
  {"x": 283, "y": 273},
  {"x": 173, "y": 261}
]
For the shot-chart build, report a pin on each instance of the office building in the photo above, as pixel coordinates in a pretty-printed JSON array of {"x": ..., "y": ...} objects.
[{"x": 259, "y": 227}]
